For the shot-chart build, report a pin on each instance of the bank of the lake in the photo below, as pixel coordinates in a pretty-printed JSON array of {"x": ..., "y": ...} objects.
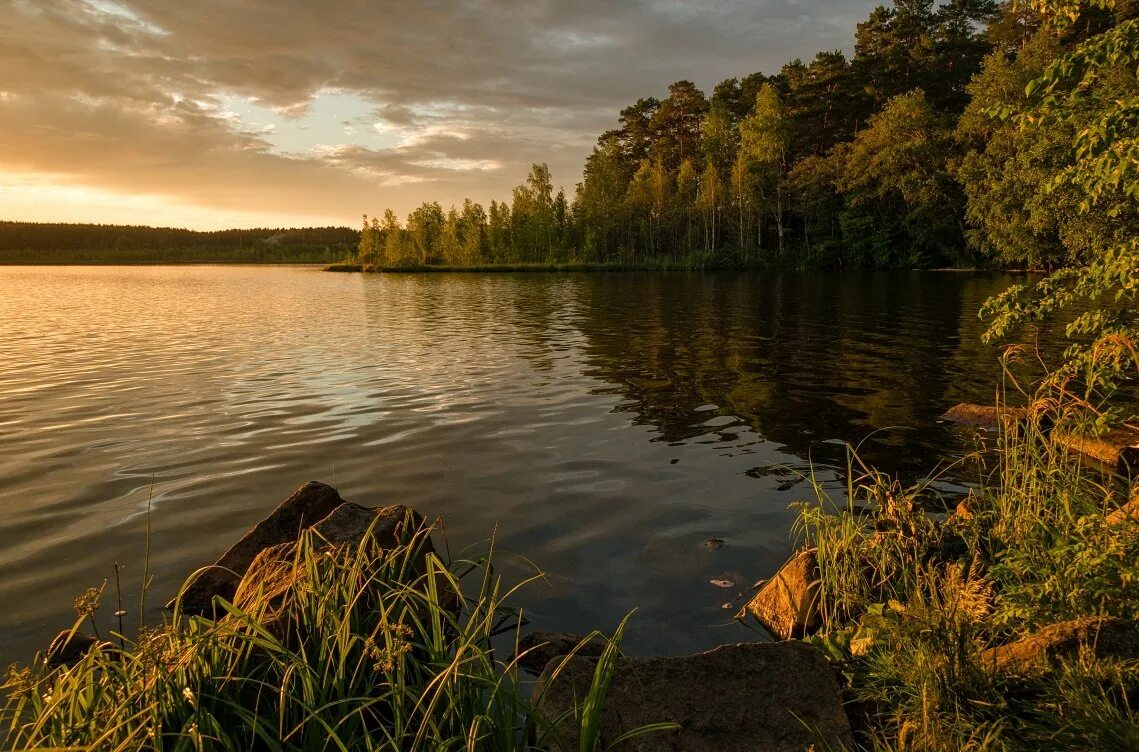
[{"x": 656, "y": 265}]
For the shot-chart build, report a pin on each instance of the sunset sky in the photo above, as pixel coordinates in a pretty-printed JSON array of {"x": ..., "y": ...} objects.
[{"x": 237, "y": 113}]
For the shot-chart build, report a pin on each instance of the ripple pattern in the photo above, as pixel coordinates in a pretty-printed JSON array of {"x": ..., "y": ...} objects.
[{"x": 607, "y": 424}]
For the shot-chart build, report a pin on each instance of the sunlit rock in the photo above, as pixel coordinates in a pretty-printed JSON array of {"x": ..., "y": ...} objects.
[
  {"x": 1105, "y": 636},
  {"x": 310, "y": 503},
  {"x": 788, "y": 603}
]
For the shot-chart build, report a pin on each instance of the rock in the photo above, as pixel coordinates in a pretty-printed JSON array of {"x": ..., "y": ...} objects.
[
  {"x": 1117, "y": 448},
  {"x": 775, "y": 697},
  {"x": 272, "y": 571},
  {"x": 968, "y": 507},
  {"x": 310, "y": 503},
  {"x": 985, "y": 417},
  {"x": 349, "y": 523},
  {"x": 1107, "y": 636},
  {"x": 537, "y": 649},
  {"x": 1129, "y": 511},
  {"x": 69, "y": 647},
  {"x": 788, "y": 603}
]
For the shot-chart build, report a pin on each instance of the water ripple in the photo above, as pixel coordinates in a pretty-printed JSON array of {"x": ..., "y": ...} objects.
[{"x": 607, "y": 424}]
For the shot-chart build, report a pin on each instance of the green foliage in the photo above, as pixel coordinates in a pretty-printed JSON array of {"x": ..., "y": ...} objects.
[
  {"x": 347, "y": 649},
  {"x": 1062, "y": 572},
  {"x": 922, "y": 150},
  {"x": 910, "y": 603},
  {"x": 735, "y": 179},
  {"x": 896, "y": 178},
  {"x": 1092, "y": 94}
]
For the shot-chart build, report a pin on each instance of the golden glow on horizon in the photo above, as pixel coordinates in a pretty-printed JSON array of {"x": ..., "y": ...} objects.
[{"x": 29, "y": 197}]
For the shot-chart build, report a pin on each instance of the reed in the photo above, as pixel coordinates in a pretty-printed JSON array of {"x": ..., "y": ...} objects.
[
  {"x": 327, "y": 649},
  {"x": 911, "y": 597}
]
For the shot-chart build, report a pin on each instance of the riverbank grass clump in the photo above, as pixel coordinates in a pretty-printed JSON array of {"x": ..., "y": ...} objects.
[
  {"x": 1009, "y": 623},
  {"x": 322, "y": 648}
]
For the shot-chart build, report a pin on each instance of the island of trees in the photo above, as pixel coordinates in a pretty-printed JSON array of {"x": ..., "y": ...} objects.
[{"x": 909, "y": 154}]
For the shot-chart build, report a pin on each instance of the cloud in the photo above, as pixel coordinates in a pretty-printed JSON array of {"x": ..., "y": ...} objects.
[{"x": 336, "y": 108}]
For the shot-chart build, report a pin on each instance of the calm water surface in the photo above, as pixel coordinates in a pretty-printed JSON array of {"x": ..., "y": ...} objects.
[{"x": 608, "y": 424}]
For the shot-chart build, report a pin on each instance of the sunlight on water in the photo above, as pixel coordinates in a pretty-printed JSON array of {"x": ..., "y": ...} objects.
[{"x": 607, "y": 424}]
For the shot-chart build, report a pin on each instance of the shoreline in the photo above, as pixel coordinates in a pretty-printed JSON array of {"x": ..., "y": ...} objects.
[
  {"x": 632, "y": 267},
  {"x": 163, "y": 263}
]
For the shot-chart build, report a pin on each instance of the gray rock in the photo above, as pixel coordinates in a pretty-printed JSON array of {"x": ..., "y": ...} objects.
[
  {"x": 390, "y": 526},
  {"x": 788, "y": 603},
  {"x": 775, "y": 697},
  {"x": 310, "y": 503},
  {"x": 537, "y": 649},
  {"x": 1105, "y": 636}
]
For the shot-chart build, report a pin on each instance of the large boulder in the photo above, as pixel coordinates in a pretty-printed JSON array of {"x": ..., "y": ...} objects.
[
  {"x": 1105, "y": 636},
  {"x": 390, "y": 526},
  {"x": 273, "y": 572},
  {"x": 537, "y": 649},
  {"x": 310, "y": 503},
  {"x": 788, "y": 604},
  {"x": 775, "y": 697}
]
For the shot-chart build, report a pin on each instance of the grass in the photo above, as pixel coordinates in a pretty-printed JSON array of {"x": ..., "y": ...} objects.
[
  {"x": 912, "y": 597},
  {"x": 321, "y": 649}
]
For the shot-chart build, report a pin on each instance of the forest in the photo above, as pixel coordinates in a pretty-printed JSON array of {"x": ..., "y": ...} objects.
[
  {"x": 912, "y": 153},
  {"x": 30, "y": 242}
]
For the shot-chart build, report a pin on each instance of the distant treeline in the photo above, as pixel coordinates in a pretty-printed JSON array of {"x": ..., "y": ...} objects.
[
  {"x": 910, "y": 153},
  {"x": 36, "y": 243}
]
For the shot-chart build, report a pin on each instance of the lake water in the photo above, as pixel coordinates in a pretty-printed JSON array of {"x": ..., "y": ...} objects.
[{"x": 607, "y": 424}]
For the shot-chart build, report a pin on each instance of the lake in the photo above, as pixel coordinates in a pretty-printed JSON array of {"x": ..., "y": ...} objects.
[{"x": 603, "y": 426}]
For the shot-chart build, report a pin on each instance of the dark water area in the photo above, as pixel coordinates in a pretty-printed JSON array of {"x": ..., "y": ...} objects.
[{"x": 602, "y": 426}]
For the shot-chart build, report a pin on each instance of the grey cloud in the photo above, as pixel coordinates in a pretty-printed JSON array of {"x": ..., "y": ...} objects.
[{"x": 129, "y": 100}]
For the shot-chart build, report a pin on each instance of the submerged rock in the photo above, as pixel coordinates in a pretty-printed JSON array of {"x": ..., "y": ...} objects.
[
  {"x": 1105, "y": 636},
  {"x": 775, "y": 697},
  {"x": 985, "y": 417},
  {"x": 310, "y": 503},
  {"x": 537, "y": 649},
  {"x": 788, "y": 603}
]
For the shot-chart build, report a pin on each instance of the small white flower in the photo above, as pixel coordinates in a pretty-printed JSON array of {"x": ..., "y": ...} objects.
[{"x": 188, "y": 695}]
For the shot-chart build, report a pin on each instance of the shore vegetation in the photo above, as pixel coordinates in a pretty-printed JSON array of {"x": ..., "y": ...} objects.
[{"x": 348, "y": 648}]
